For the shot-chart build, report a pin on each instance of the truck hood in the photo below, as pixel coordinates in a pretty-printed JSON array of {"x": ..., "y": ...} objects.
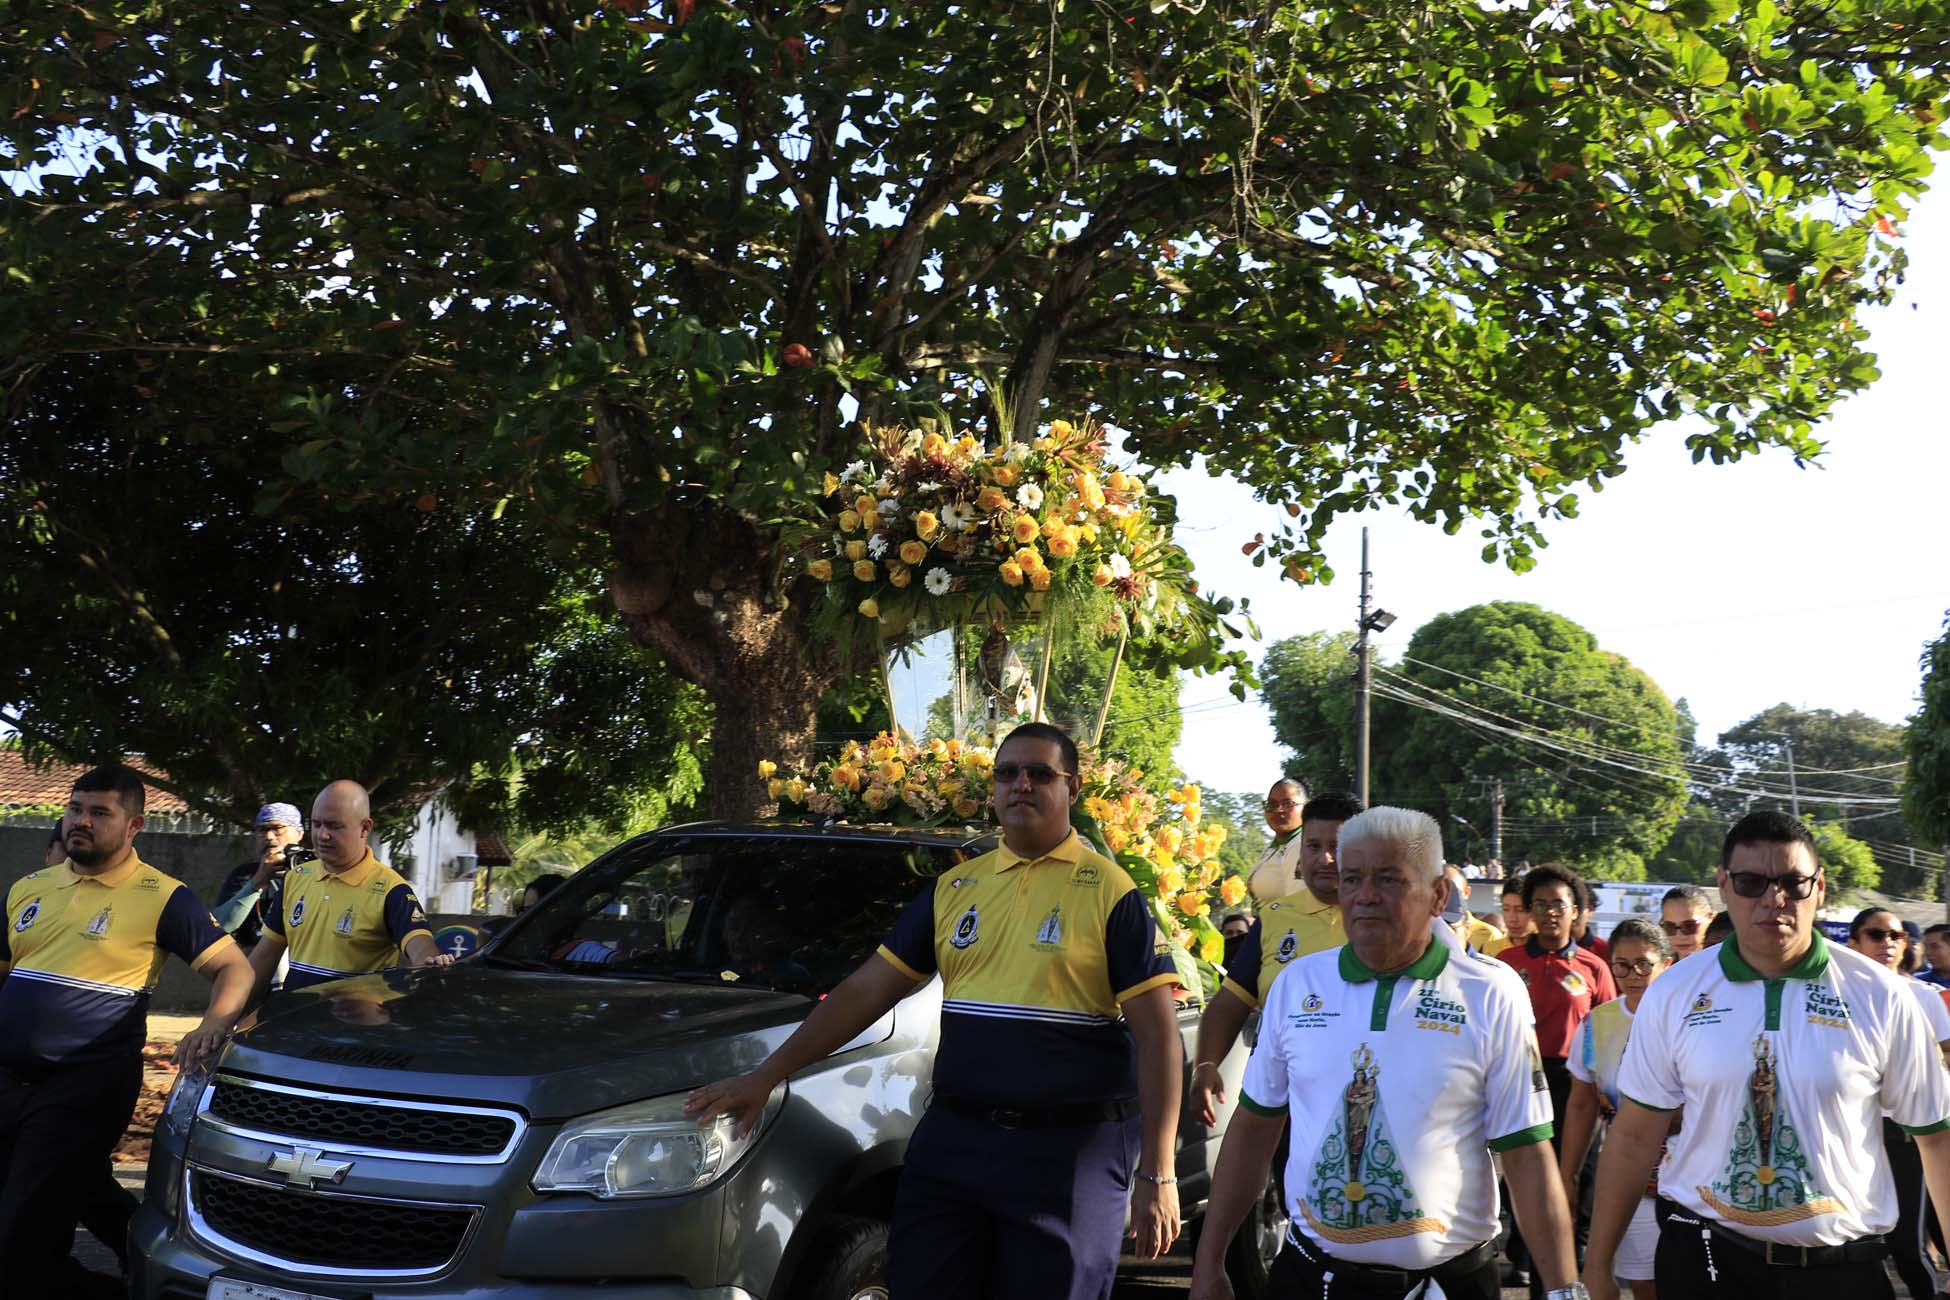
[{"x": 553, "y": 1045}]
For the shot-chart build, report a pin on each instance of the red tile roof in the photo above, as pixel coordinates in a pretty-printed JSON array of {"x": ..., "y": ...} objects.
[
  {"x": 23, "y": 786},
  {"x": 492, "y": 851}
]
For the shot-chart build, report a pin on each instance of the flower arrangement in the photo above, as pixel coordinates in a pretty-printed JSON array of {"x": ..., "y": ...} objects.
[
  {"x": 940, "y": 527},
  {"x": 1162, "y": 841}
]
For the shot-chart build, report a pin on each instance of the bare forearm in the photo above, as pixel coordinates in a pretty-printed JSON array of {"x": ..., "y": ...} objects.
[
  {"x": 264, "y": 964},
  {"x": 1580, "y": 1120},
  {"x": 1161, "y": 1072},
  {"x": 861, "y": 998},
  {"x": 420, "y": 949},
  {"x": 1537, "y": 1201},
  {"x": 1219, "y": 1028},
  {"x": 1631, "y": 1155},
  {"x": 230, "y": 993},
  {"x": 1245, "y": 1161},
  {"x": 1934, "y": 1150}
]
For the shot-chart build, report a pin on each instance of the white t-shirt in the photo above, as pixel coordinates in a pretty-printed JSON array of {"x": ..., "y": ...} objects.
[
  {"x": 1397, "y": 1089},
  {"x": 1277, "y": 873},
  {"x": 1784, "y": 1083}
]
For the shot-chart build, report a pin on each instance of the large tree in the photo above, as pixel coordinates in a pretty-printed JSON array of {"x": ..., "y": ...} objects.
[
  {"x": 150, "y": 609},
  {"x": 638, "y": 266},
  {"x": 1926, "y": 789},
  {"x": 1307, "y": 685}
]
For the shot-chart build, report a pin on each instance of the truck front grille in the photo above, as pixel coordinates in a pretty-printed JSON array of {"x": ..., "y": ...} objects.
[
  {"x": 352, "y": 1122},
  {"x": 323, "y": 1231}
]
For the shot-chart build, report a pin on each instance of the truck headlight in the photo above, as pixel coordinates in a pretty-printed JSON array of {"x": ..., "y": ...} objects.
[
  {"x": 648, "y": 1148},
  {"x": 179, "y": 1112}
]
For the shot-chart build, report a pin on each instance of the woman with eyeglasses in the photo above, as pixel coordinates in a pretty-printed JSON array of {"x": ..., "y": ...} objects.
[
  {"x": 1640, "y": 953},
  {"x": 1878, "y": 934}
]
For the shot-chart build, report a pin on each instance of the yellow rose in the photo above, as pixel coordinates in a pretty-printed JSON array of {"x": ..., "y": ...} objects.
[
  {"x": 795, "y": 790},
  {"x": 1029, "y": 558},
  {"x": 855, "y": 551},
  {"x": 849, "y": 521},
  {"x": 1232, "y": 891},
  {"x": 1088, "y": 532},
  {"x": 966, "y": 807},
  {"x": 891, "y": 772},
  {"x": 1061, "y": 429},
  {"x": 864, "y": 570},
  {"x": 766, "y": 767},
  {"x": 821, "y": 569},
  {"x": 934, "y": 445},
  {"x": 966, "y": 444},
  {"x": 1211, "y": 946},
  {"x": 1170, "y": 882},
  {"x": 913, "y": 552},
  {"x": 1045, "y": 444},
  {"x": 1116, "y": 839},
  {"x": 775, "y": 787},
  {"x": 1027, "y": 529},
  {"x": 1102, "y": 575},
  {"x": 899, "y": 574},
  {"x": 1007, "y": 475},
  {"x": 876, "y": 797},
  {"x": 846, "y": 777},
  {"x": 1040, "y": 580},
  {"x": 990, "y": 499},
  {"x": 869, "y": 519},
  {"x": 870, "y": 608},
  {"x": 865, "y": 504},
  {"x": 926, "y": 525},
  {"x": 829, "y": 485},
  {"x": 1120, "y": 482},
  {"x": 1063, "y": 544},
  {"x": 1011, "y": 572},
  {"x": 1192, "y": 903}
]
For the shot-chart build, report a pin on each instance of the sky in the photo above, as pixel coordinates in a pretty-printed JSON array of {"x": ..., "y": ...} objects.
[{"x": 1736, "y": 587}]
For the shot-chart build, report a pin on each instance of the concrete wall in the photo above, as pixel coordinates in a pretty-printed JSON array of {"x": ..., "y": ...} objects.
[{"x": 199, "y": 861}]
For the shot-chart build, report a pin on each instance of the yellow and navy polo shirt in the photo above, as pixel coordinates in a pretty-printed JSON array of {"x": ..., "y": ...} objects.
[
  {"x": 345, "y": 923},
  {"x": 1286, "y": 929},
  {"x": 81, "y": 953},
  {"x": 1035, "y": 957}
]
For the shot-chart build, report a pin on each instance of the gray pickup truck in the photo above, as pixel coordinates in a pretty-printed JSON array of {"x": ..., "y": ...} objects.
[{"x": 512, "y": 1126}]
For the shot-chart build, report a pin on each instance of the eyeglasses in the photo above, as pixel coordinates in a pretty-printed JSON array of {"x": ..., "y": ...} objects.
[
  {"x": 1691, "y": 926},
  {"x": 1550, "y": 907},
  {"x": 1876, "y": 934},
  {"x": 1643, "y": 966},
  {"x": 1277, "y": 805},
  {"x": 1753, "y": 884},
  {"x": 1038, "y": 773}
]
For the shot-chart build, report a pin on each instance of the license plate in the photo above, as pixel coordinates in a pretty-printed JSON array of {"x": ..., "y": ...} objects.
[{"x": 225, "y": 1288}]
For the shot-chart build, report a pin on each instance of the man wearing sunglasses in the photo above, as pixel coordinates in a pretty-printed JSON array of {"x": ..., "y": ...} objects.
[
  {"x": 1684, "y": 914},
  {"x": 1785, "y": 1053},
  {"x": 1057, "y": 1075}
]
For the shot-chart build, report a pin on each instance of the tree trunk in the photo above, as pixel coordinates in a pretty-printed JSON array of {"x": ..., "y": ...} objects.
[{"x": 769, "y": 714}]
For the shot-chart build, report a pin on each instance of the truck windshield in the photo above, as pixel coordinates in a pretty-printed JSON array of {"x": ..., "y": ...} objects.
[{"x": 791, "y": 914}]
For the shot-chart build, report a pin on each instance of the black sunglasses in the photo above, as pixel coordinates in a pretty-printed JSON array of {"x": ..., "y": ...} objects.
[
  {"x": 1876, "y": 934},
  {"x": 1752, "y": 884},
  {"x": 1038, "y": 773},
  {"x": 1682, "y": 927}
]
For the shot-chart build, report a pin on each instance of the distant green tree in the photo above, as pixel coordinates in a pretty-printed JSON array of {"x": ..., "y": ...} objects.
[
  {"x": 1538, "y": 672},
  {"x": 1246, "y": 833},
  {"x": 1926, "y": 788},
  {"x": 1307, "y": 684},
  {"x": 1692, "y": 854},
  {"x": 1608, "y": 862},
  {"x": 1847, "y": 862}
]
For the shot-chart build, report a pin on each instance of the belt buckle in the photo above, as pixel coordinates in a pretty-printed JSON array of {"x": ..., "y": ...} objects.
[{"x": 1798, "y": 1255}]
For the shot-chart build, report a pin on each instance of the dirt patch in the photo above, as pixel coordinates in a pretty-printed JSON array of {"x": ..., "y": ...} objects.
[{"x": 158, "y": 1077}]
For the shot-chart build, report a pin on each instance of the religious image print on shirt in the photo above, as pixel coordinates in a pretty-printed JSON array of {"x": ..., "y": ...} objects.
[
  {"x": 1766, "y": 1180},
  {"x": 1358, "y": 1191}
]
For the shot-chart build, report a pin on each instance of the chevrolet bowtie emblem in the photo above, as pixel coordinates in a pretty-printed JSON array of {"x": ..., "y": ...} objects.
[{"x": 307, "y": 1168}]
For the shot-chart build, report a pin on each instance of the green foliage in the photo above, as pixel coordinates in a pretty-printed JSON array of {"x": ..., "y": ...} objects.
[
  {"x": 1542, "y": 672},
  {"x": 1144, "y": 722},
  {"x": 1692, "y": 855},
  {"x": 614, "y": 276},
  {"x": 1848, "y": 863},
  {"x": 1608, "y": 862},
  {"x": 152, "y": 611},
  {"x": 1246, "y": 833},
  {"x": 1307, "y": 684},
  {"x": 1926, "y": 789}
]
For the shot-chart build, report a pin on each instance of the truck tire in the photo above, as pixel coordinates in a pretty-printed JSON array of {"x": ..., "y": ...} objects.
[
  {"x": 1250, "y": 1253},
  {"x": 852, "y": 1261}
]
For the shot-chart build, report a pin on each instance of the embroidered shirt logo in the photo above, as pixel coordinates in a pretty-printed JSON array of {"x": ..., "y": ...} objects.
[
  {"x": 967, "y": 929},
  {"x": 1288, "y": 947},
  {"x": 1050, "y": 932},
  {"x": 1704, "y": 1002},
  {"x": 1703, "y": 1012},
  {"x": 98, "y": 925},
  {"x": 1311, "y": 1003},
  {"x": 298, "y": 912},
  {"x": 345, "y": 923},
  {"x": 28, "y": 915},
  {"x": 1086, "y": 873}
]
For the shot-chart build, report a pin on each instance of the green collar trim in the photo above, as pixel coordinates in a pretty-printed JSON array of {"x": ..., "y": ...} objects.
[
  {"x": 1426, "y": 967},
  {"x": 1812, "y": 966},
  {"x": 1284, "y": 838}
]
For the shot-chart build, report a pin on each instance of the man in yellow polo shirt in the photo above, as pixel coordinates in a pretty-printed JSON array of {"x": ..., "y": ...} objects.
[
  {"x": 346, "y": 913},
  {"x": 80, "y": 949},
  {"x": 1301, "y": 923}
]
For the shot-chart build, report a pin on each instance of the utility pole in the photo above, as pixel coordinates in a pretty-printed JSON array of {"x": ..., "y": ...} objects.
[
  {"x": 1496, "y": 819},
  {"x": 1794, "y": 789},
  {"x": 1363, "y": 684}
]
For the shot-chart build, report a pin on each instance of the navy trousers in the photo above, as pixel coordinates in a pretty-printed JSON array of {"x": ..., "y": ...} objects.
[{"x": 992, "y": 1213}]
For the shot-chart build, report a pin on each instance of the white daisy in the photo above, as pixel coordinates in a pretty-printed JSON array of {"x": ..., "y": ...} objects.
[
  {"x": 1119, "y": 567},
  {"x": 854, "y": 473},
  {"x": 1030, "y": 496},
  {"x": 1018, "y": 452},
  {"x": 938, "y": 582},
  {"x": 877, "y": 545},
  {"x": 956, "y": 517},
  {"x": 929, "y": 486},
  {"x": 888, "y": 508}
]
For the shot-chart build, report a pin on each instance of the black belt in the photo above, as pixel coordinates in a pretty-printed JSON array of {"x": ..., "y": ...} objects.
[
  {"x": 1073, "y": 1115},
  {"x": 1863, "y": 1250},
  {"x": 1397, "y": 1281}
]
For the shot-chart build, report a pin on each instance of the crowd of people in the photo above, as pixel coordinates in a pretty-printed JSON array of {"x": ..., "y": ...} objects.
[
  {"x": 1718, "y": 1100},
  {"x": 83, "y": 941}
]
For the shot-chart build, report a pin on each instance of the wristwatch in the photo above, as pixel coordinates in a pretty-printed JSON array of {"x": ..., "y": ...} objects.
[{"x": 1575, "y": 1291}]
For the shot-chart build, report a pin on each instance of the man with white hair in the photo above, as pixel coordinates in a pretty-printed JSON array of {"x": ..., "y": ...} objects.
[{"x": 1403, "y": 1064}]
